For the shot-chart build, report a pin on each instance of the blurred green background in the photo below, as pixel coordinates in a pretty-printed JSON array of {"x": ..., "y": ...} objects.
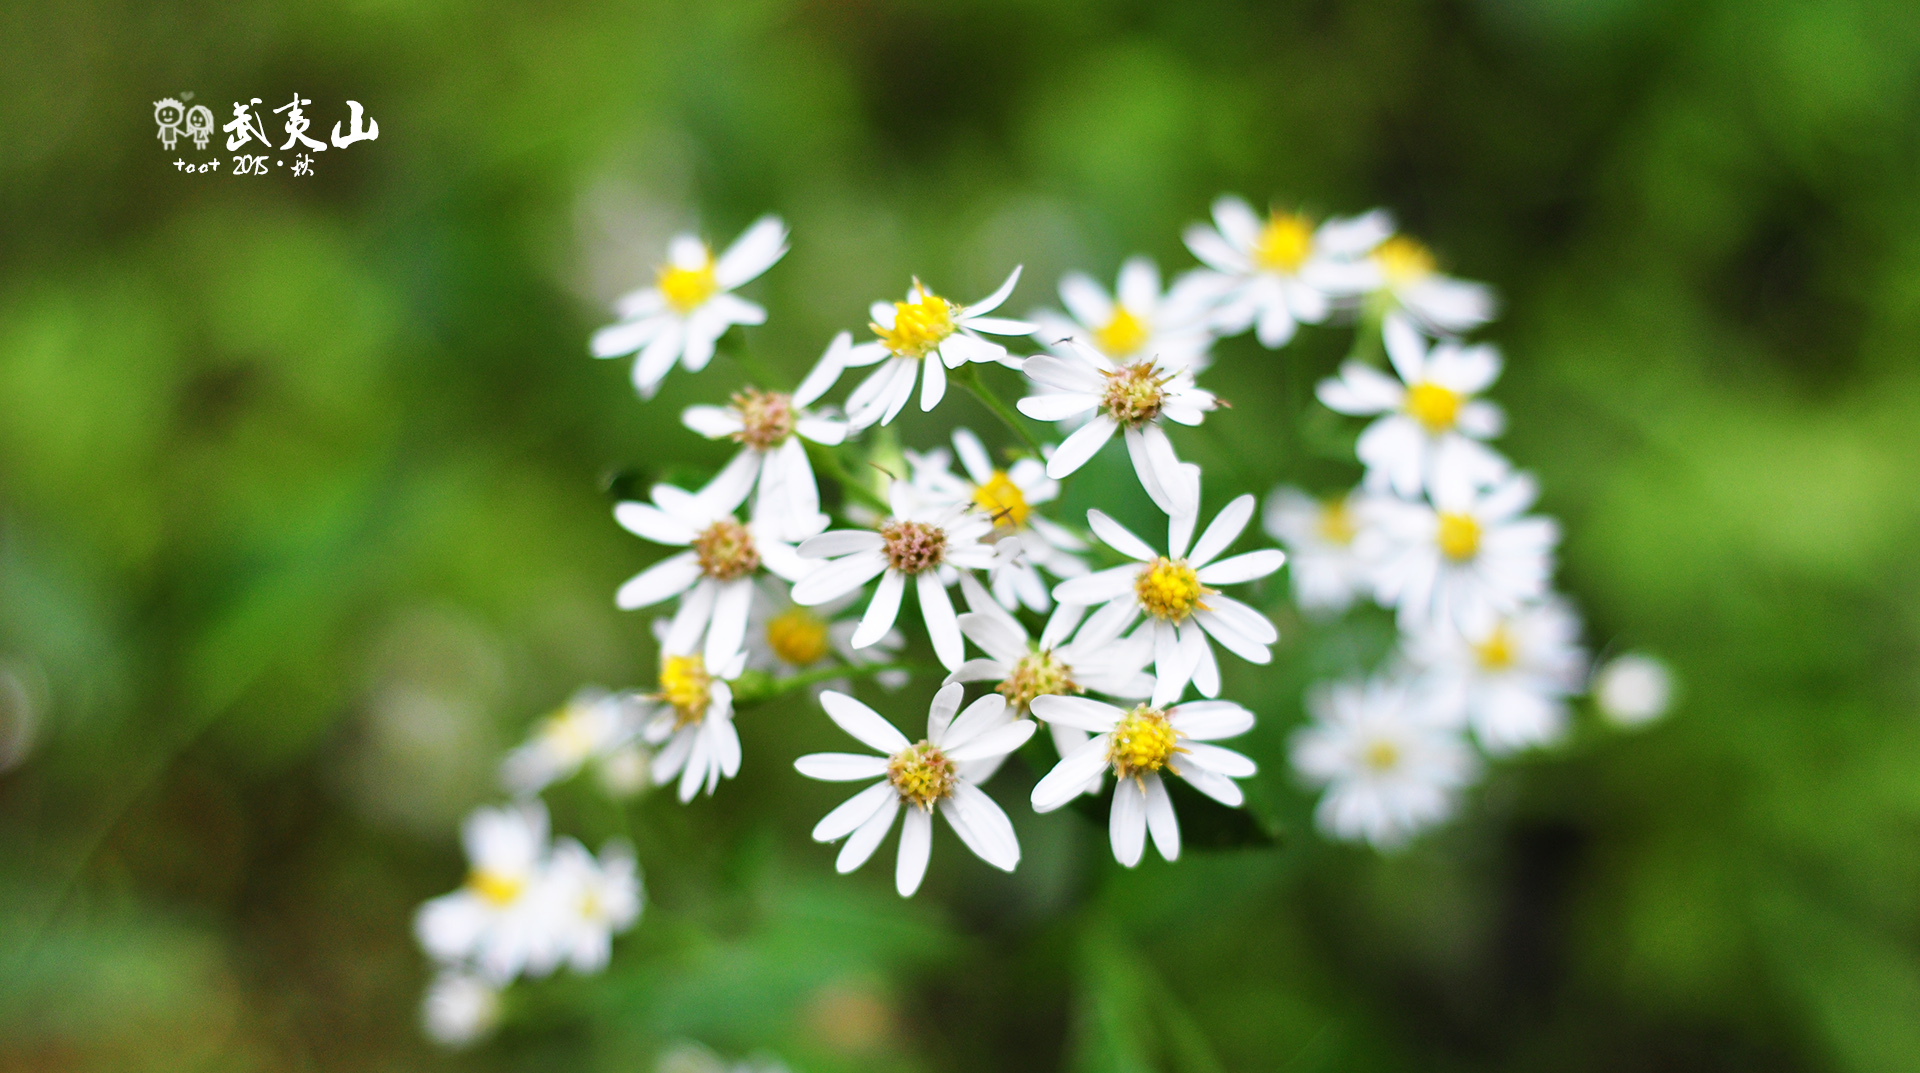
[{"x": 304, "y": 489}]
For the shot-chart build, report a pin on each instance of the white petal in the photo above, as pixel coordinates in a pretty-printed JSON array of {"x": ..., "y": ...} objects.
[
  {"x": 982, "y": 825},
  {"x": 651, "y": 523},
  {"x": 1071, "y": 775},
  {"x": 841, "y": 767},
  {"x": 882, "y": 610},
  {"x": 996, "y": 742},
  {"x": 1223, "y": 761},
  {"x": 1245, "y": 567},
  {"x": 1227, "y": 526},
  {"x": 866, "y": 838},
  {"x": 838, "y": 542},
  {"x": 863, "y": 723},
  {"x": 1127, "y": 823},
  {"x": 1119, "y": 538},
  {"x": 1206, "y": 720},
  {"x": 1074, "y": 451},
  {"x": 838, "y": 578},
  {"x": 1056, "y": 407},
  {"x": 992, "y": 301},
  {"x": 916, "y": 845},
  {"x": 855, "y": 810},
  {"x": 1160, "y": 819},
  {"x": 752, "y": 253},
  {"x": 933, "y": 387},
  {"x": 1081, "y": 713},
  {"x": 986, "y": 712},
  {"x": 668, "y": 577}
]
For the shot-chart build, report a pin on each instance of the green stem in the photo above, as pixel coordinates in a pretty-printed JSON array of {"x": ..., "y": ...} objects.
[
  {"x": 827, "y": 462},
  {"x": 967, "y": 377}
]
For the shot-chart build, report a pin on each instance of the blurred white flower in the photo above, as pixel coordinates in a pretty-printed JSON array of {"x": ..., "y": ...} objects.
[
  {"x": 1467, "y": 556},
  {"x": 1330, "y": 562},
  {"x": 691, "y": 722},
  {"x": 784, "y": 638},
  {"x": 1633, "y": 690},
  {"x": 1398, "y": 272},
  {"x": 691, "y": 304},
  {"x": 626, "y": 771},
  {"x": 591, "y": 726},
  {"x": 928, "y": 542},
  {"x": 1024, "y": 540},
  {"x": 938, "y": 771},
  {"x": 1509, "y": 681},
  {"x": 692, "y": 1057},
  {"x": 591, "y": 900},
  {"x": 1431, "y": 417},
  {"x": 1389, "y": 769},
  {"x": 1138, "y": 744},
  {"x": 1175, "y": 591},
  {"x": 495, "y": 922},
  {"x": 928, "y": 330},
  {"x": 1272, "y": 275},
  {"x": 1135, "y": 322},
  {"x": 460, "y": 1008}
]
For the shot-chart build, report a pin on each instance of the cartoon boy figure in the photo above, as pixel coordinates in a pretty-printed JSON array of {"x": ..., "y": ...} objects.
[
  {"x": 168, "y": 113},
  {"x": 199, "y": 125}
]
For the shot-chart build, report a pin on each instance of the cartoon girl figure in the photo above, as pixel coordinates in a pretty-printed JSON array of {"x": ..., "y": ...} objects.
[
  {"x": 168, "y": 113},
  {"x": 199, "y": 125}
]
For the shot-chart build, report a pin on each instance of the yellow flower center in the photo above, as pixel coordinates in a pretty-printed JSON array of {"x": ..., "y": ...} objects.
[
  {"x": 1500, "y": 651},
  {"x": 921, "y": 774},
  {"x": 914, "y": 547},
  {"x": 798, "y": 637},
  {"x": 1169, "y": 589},
  {"x": 1337, "y": 526},
  {"x": 1003, "y": 500},
  {"x": 686, "y": 288},
  {"x": 1039, "y": 673},
  {"x": 1143, "y": 741},
  {"x": 687, "y": 687},
  {"x": 1459, "y": 536},
  {"x": 918, "y": 327},
  {"x": 1403, "y": 260},
  {"x": 1434, "y": 406},
  {"x": 1381, "y": 755},
  {"x": 725, "y": 551},
  {"x": 1135, "y": 394},
  {"x": 591, "y": 907},
  {"x": 497, "y": 890},
  {"x": 766, "y": 418},
  {"x": 1284, "y": 243},
  {"x": 1122, "y": 335}
]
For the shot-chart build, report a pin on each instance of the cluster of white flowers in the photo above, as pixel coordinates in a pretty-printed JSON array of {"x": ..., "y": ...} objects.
[{"x": 1109, "y": 640}]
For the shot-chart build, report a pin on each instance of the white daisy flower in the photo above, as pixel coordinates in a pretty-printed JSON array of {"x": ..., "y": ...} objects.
[
  {"x": 1025, "y": 541},
  {"x": 1175, "y": 592},
  {"x": 1509, "y": 682},
  {"x": 691, "y": 724},
  {"x": 769, "y": 427},
  {"x": 1271, "y": 275},
  {"x": 1329, "y": 561},
  {"x": 1138, "y": 744},
  {"x": 495, "y": 921},
  {"x": 784, "y": 638},
  {"x": 1430, "y": 416},
  {"x": 1133, "y": 398},
  {"x": 939, "y": 770},
  {"x": 460, "y": 1008},
  {"x": 925, "y": 326},
  {"x": 1400, "y": 273},
  {"x": 716, "y": 572},
  {"x": 591, "y": 726},
  {"x": 691, "y": 304},
  {"x": 1023, "y": 669},
  {"x": 928, "y": 543},
  {"x": 1466, "y": 556},
  {"x": 1136, "y": 321},
  {"x": 592, "y": 900},
  {"x": 1388, "y": 768},
  {"x": 1633, "y": 690}
]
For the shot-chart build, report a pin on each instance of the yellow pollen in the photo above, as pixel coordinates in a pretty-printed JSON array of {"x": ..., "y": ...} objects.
[
  {"x": 1003, "y": 500},
  {"x": 1135, "y": 394},
  {"x": 495, "y": 889},
  {"x": 1284, "y": 243},
  {"x": 1337, "y": 526},
  {"x": 921, "y": 774},
  {"x": 798, "y": 637},
  {"x": 766, "y": 418},
  {"x": 1459, "y": 536},
  {"x": 1039, "y": 673},
  {"x": 1404, "y": 260},
  {"x": 1499, "y": 652},
  {"x": 920, "y": 326},
  {"x": 1434, "y": 406},
  {"x": 1122, "y": 335},
  {"x": 590, "y": 906},
  {"x": 1381, "y": 755},
  {"x": 1143, "y": 741},
  {"x": 1169, "y": 589},
  {"x": 726, "y": 551},
  {"x": 686, "y": 685},
  {"x": 686, "y": 288},
  {"x": 914, "y": 547}
]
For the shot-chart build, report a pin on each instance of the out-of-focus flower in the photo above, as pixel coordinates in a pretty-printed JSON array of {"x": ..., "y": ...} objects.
[
  {"x": 1466, "y": 557},
  {"x": 1510, "y": 681},
  {"x": 769, "y": 427},
  {"x": 696, "y": 1058},
  {"x": 716, "y": 571},
  {"x": 592, "y": 725},
  {"x": 1137, "y": 321},
  {"x": 691, "y": 304},
  {"x": 691, "y": 722},
  {"x": 939, "y": 771},
  {"x": 784, "y": 638},
  {"x": 1008, "y": 496},
  {"x": 928, "y": 330},
  {"x": 1175, "y": 592},
  {"x": 591, "y": 900},
  {"x": 460, "y": 1008},
  {"x": 627, "y": 771},
  {"x": 1137, "y": 744},
  {"x": 1633, "y": 690},
  {"x": 495, "y": 922},
  {"x": 1431, "y": 418},
  {"x": 927, "y": 542},
  {"x": 1132, "y": 399},
  {"x": 1272, "y": 275},
  {"x": 1329, "y": 561},
  {"x": 1389, "y": 770},
  {"x": 1399, "y": 273}
]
